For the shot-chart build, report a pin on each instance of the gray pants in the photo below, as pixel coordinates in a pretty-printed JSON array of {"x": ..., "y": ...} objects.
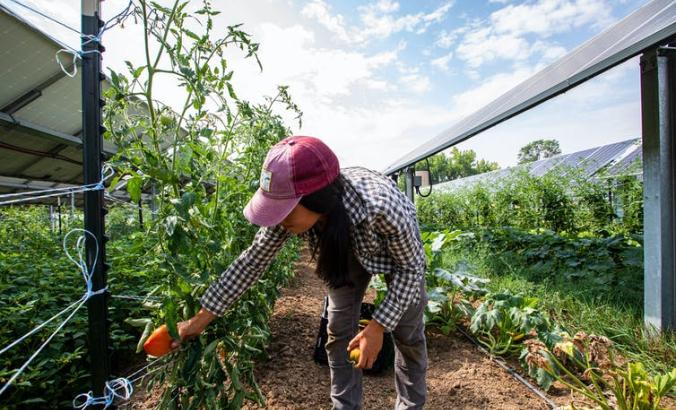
[{"x": 409, "y": 340}]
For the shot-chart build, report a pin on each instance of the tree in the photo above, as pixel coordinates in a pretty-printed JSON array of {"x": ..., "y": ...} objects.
[
  {"x": 539, "y": 149},
  {"x": 457, "y": 164}
]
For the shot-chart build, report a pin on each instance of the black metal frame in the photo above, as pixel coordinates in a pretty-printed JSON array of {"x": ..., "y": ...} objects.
[{"x": 94, "y": 208}]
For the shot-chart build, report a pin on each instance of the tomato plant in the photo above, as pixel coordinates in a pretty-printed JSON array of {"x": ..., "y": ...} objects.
[{"x": 202, "y": 161}]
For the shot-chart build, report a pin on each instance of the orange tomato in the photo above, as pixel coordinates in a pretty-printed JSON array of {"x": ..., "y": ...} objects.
[{"x": 159, "y": 342}]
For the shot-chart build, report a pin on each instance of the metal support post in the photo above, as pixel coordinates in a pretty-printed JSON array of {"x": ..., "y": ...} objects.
[
  {"x": 94, "y": 211},
  {"x": 410, "y": 182},
  {"x": 658, "y": 93},
  {"x": 140, "y": 214},
  {"x": 153, "y": 201},
  {"x": 58, "y": 210}
]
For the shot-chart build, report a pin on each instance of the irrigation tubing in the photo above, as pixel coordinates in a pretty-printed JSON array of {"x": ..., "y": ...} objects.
[{"x": 510, "y": 370}]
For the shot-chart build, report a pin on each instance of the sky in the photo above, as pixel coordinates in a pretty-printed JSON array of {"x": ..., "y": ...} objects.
[{"x": 376, "y": 79}]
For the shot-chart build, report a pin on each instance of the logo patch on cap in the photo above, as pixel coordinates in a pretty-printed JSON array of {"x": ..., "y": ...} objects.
[{"x": 266, "y": 180}]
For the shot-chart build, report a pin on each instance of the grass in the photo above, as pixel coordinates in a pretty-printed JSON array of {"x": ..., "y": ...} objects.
[{"x": 579, "y": 305}]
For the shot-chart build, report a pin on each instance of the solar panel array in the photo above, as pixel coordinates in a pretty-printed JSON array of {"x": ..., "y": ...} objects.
[{"x": 606, "y": 161}]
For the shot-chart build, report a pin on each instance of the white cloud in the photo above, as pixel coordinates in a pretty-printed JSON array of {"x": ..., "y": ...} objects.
[
  {"x": 442, "y": 62},
  {"x": 320, "y": 11},
  {"x": 387, "y": 6},
  {"x": 416, "y": 83},
  {"x": 484, "y": 45},
  {"x": 376, "y": 136},
  {"x": 378, "y": 20},
  {"x": 547, "y": 17},
  {"x": 506, "y": 34},
  {"x": 291, "y": 56},
  {"x": 345, "y": 99},
  {"x": 446, "y": 39}
]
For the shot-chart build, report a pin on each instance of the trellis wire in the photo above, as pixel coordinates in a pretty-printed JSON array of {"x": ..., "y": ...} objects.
[
  {"x": 120, "y": 388},
  {"x": 107, "y": 173},
  {"x": 87, "y": 276},
  {"x": 78, "y": 54}
]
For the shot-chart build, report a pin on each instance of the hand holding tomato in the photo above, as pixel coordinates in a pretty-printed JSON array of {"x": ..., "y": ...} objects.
[
  {"x": 160, "y": 342},
  {"x": 369, "y": 342}
]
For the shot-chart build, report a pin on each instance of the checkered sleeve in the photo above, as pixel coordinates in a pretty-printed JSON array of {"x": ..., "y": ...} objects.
[
  {"x": 245, "y": 270},
  {"x": 398, "y": 225}
]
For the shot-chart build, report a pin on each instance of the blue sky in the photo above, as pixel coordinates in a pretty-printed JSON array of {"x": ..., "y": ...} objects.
[{"x": 376, "y": 79}]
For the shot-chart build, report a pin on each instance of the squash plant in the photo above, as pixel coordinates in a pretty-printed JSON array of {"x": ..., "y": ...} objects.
[
  {"x": 447, "y": 291},
  {"x": 504, "y": 320},
  {"x": 201, "y": 161},
  {"x": 589, "y": 366}
]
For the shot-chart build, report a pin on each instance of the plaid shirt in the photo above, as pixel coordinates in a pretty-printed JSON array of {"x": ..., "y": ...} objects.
[{"x": 385, "y": 239}]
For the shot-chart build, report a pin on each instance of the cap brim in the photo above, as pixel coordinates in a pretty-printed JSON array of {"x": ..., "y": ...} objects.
[{"x": 265, "y": 211}]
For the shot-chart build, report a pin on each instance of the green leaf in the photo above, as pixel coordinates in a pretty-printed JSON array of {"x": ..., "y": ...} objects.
[
  {"x": 171, "y": 317},
  {"x": 134, "y": 188},
  {"x": 138, "y": 71},
  {"x": 231, "y": 91},
  {"x": 191, "y": 34}
]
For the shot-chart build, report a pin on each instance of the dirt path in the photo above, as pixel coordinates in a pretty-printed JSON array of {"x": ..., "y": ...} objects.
[{"x": 459, "y": 376}]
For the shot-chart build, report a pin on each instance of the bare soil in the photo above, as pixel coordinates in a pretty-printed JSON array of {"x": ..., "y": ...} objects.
[{"x": 459, "y": 375}]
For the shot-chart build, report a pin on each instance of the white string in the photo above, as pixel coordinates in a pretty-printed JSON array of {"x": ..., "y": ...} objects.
[
  {"x": 75, "y": 56},
  {"x": 141, "y": 298},
  {"x": 43, "y": 324},
  {"x": 40, "y": 191},
  {"x": 33, "y": 198},
  {"x": 106, "y": 173},
  {"x": 78, "y": 54},
  {"x": 120, "y": 388},
  {"x": 87, "y": 276}
]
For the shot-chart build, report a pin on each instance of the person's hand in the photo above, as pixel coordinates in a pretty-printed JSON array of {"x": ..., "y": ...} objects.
[
  {"x": 192, "y": 327},
  {"x": 369, "y": 341}
]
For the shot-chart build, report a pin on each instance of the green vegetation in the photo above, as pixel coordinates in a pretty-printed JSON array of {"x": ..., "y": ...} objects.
[
  {"x": 559, "y": 260},
  {"x": 36, "y": 282},
  {"x": 503, "y": 320},
  {"x": 508, "y": 323},
  {"x": 217, "y": 143},
  {"x": 537, "y": 150},
  {"x": 457, "y": 164},
  {"x": 203, "y": 162},
  {"x": 561, "y": 201}
]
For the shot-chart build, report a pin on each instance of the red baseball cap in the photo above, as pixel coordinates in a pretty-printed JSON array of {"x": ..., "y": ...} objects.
[{"x": 294, "y": 167}]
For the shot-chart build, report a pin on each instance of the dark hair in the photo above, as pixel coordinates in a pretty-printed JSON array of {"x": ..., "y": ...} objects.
[{"x": 334, "y": 236}]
